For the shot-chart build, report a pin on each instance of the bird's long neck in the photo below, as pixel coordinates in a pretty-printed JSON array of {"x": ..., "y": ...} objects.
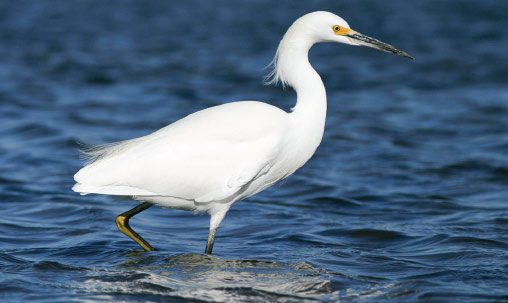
[
  {"x": 293, "y": 69},
  {"x": 310, "y": 91}
]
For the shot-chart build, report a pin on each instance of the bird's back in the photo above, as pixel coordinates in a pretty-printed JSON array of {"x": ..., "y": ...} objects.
[{"x": 207, "y": 156}]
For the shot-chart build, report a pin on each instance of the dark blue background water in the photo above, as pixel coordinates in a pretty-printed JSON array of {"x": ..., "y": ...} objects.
[{"x": 405, "y": 200}]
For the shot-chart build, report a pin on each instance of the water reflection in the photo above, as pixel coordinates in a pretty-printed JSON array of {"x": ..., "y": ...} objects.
[{"x": 197, "y": 276}]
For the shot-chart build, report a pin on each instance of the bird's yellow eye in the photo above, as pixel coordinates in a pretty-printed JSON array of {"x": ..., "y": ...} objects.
[{"x": 340, "y": 30}]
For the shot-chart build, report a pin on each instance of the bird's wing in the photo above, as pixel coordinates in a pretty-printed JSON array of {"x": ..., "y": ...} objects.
[{"x": 207, "y": 156}]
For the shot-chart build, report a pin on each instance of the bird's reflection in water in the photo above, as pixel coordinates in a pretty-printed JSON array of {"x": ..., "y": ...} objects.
[{"x": 212, "y": 278}]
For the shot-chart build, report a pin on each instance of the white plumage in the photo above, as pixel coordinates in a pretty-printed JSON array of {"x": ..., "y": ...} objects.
[
  {"x": 204, "y": 157},
  {"x": 212, "y": 158}
]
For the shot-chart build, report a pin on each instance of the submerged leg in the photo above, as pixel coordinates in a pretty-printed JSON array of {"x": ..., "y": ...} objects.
[
  {"x": 122, "y": 222},
  {"x": 215, "y": 220}
]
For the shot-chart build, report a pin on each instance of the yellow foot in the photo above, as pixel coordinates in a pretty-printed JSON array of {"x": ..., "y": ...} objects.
[{"x": 122, "y": 222}]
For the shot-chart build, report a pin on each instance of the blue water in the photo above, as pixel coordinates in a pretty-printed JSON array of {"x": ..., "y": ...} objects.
[{"x": 404, "y": 201}]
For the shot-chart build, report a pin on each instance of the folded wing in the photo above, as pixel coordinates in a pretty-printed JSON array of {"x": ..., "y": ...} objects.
[{"x": 207, "y": 156}]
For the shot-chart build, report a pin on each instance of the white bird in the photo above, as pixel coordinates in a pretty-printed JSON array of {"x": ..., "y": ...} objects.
[{"x": 215, "y": 157}]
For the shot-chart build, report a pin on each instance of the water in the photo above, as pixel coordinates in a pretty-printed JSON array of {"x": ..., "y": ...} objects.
[{"x": 405, "y": 200}]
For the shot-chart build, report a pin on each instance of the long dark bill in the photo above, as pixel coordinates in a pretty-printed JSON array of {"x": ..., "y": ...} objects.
[{"x": 374, "y": 43}]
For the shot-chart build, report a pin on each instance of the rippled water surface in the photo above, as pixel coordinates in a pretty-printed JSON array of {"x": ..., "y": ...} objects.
[{"x": 405, "y": 200}]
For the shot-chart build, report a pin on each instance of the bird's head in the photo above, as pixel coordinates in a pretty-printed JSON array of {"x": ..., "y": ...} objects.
[
  {"x": 327, "y": 27},
  {"x": 314, "y": 28}
]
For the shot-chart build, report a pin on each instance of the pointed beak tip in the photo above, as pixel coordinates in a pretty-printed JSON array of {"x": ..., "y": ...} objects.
[{"x": 406, "y": 55}]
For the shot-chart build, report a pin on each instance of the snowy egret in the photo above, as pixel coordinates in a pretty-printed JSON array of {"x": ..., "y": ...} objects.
[{"x": 210, "y": 159}]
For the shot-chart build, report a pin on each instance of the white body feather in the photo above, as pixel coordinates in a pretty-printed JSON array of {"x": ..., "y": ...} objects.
[{"x": 204, "y": 157}]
